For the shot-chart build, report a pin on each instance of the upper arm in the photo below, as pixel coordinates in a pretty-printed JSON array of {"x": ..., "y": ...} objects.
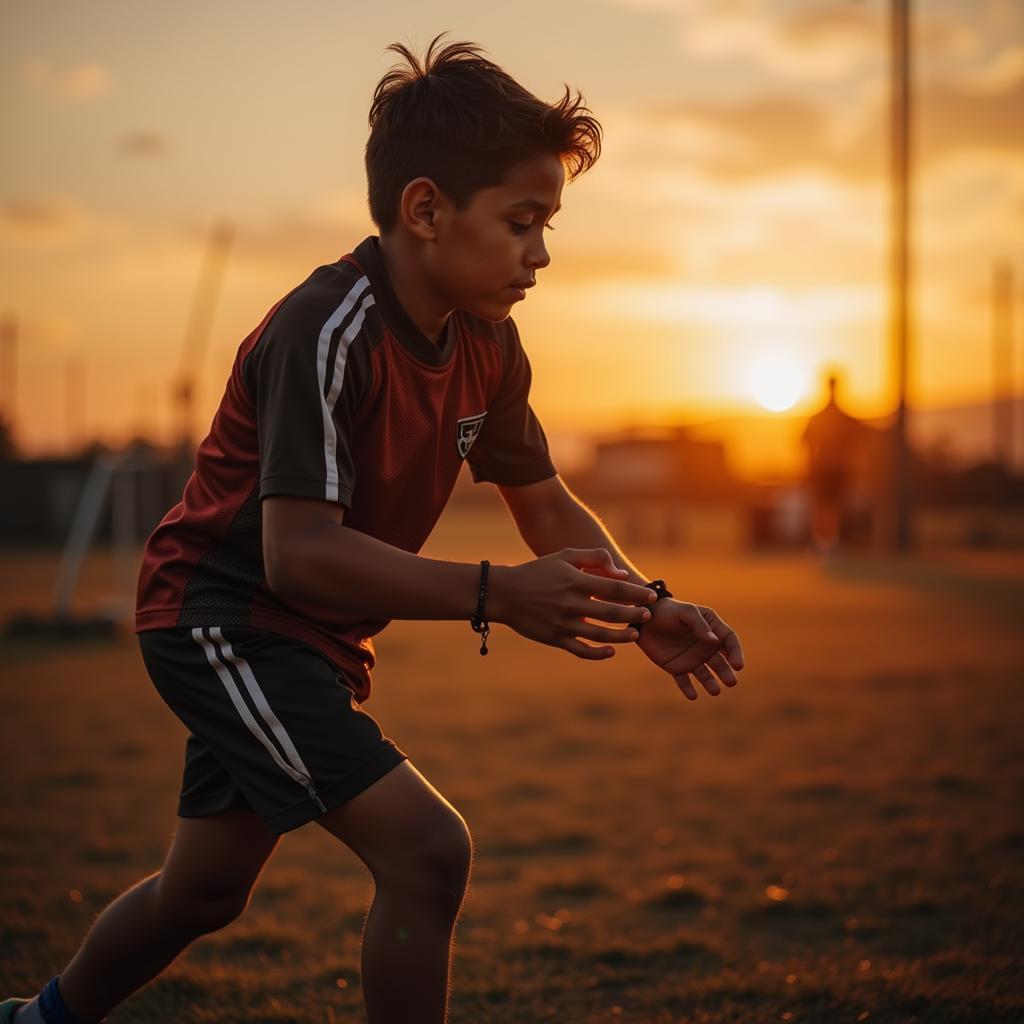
[
  {"x": 533, "y": 503},
  {"x": 511, "y": 448},
  {"x": 306, "y": 384},
  {"x": 284, "y": 518}
]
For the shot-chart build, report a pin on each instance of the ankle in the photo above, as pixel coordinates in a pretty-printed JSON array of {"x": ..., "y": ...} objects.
[{"x": 51, "y": 1006}]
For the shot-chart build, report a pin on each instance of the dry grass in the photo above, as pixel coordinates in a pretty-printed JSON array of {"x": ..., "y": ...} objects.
[{"x": 837, "y": 839}]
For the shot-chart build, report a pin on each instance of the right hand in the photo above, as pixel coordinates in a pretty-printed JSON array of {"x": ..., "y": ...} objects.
[{"x": 547, "y": 600}]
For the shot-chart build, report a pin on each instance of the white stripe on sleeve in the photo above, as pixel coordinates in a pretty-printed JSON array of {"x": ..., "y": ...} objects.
[{"x": 359, "y": 293}]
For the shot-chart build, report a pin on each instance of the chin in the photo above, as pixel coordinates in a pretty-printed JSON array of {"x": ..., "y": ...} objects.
[{"x": 495, "y": 312}]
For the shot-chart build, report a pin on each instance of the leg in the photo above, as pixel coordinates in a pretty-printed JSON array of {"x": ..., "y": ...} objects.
[
  {"x": 419, "y": 851},
  {"x": 204, "y": 884}
]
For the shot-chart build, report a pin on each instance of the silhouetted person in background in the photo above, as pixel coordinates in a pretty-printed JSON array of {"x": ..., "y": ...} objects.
[{"x": 834, "y": 441}]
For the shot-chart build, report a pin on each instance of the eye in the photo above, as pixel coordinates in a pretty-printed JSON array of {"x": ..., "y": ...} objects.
[{"x": 521, "y": 229}]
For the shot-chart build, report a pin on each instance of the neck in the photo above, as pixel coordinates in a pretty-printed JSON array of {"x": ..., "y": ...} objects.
[{"x": 410, "y": 286}]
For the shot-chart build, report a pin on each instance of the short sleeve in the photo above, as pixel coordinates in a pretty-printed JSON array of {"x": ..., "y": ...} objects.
[
  {"x": 304, "y": 376},
  {"x": 511, "y": 447}
]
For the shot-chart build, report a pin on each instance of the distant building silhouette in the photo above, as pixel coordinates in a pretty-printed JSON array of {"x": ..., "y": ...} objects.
[
  {"x": 838, "y": 448},
  {"x": 646, "y": 476}
]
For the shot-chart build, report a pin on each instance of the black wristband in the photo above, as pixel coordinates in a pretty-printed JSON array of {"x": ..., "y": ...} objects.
[
  {"x": 478, "y": 622},
  {"x": 658, "y": 586}
]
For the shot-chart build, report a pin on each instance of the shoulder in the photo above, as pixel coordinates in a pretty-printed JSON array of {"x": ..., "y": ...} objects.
[
  {"x": 332, "y": 294},
  {"x": 304, "y": 322},
  {"x": 335, "y": 295}
]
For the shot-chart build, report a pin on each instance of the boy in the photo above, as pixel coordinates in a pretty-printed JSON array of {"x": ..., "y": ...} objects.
[{"x": 346, "y": 419}]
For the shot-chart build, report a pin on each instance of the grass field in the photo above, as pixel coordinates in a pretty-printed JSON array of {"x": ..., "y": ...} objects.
[{"x": 837, "y": 839}]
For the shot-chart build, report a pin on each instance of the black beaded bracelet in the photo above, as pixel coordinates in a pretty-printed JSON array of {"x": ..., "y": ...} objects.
[
  {"x": 478, "y": 622},
  {"x": 658, "y": 586}
]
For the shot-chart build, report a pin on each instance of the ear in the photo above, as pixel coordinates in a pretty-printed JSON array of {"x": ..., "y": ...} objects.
[{"x": 418, "y": 207}]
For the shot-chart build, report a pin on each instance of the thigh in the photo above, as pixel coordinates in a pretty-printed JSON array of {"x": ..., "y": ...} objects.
[
  {"x": 216, "y": 857},
  {"x": 206, "y": 785},
  {"x": 401, "y": 817}
]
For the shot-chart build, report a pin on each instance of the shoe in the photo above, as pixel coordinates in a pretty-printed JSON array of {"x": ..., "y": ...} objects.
[{"x": 8, "y": 1008}]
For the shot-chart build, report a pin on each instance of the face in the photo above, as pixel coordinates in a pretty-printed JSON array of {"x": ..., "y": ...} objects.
[{"x": 497, "y": 240}]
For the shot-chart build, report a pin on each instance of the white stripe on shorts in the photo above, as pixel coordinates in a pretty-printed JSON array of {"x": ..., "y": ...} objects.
[{"x": 296, "y": 769}]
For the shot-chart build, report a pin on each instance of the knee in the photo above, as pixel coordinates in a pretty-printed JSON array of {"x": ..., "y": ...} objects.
[
  {"x": 439, "y": 861},
  {"x": 200, "y": 910}
]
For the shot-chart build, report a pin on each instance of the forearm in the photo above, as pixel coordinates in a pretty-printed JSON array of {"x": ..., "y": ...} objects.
[
  {"x": 336, "y": 567},
  {"x": 573, "y": 525}
]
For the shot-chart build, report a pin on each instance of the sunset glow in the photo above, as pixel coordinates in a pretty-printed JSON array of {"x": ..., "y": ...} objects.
[
  {"x": 776, "y": 381},
  {"x": 731, "y": 239}
]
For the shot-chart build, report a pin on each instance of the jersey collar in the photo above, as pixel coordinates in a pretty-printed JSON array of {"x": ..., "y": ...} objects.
[{"x": 404, "y": 328}]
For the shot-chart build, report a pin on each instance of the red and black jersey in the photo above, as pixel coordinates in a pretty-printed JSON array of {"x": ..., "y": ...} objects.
[{"x": 338, "y": 395}]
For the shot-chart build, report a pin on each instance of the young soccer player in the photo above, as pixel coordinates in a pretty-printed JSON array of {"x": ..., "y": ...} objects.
[{"x": 344, "y": 424}]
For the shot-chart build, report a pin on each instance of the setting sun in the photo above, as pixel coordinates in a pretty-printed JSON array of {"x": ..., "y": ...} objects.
[{"x": 776, "y": 381}]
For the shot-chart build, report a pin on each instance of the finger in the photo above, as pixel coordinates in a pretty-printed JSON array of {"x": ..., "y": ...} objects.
[
  {"x": 723, "y": 668},
  {"x": 610, "y": 571},
  {"x": 730, "y": 642},
  {"x": 582, "y": 650},
  {"x": 690, "y": 616},
  {"x": 709, "y": 682},
  {"x": 732, "y": 648},
  {"x": 596, "y": 559},
  {"x": 685, "y": 684},
  {"x": 615, "y": 636},
  {"x": 613, "y": 612},
  {"x": 621, "y": 591}
]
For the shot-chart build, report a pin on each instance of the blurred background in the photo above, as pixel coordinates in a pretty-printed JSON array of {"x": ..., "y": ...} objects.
[
  {"x": 720, "y": 297},
  {"x": 778, "y": 349}
]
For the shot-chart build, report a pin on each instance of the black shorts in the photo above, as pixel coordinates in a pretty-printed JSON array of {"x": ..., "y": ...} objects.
[{"x": 273, "y": 726}]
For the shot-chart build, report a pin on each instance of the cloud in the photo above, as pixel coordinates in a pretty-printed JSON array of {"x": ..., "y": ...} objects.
[
  {"x": 293, "y": 241},
  {"x": 84, "y": 81},
  {"x": 954, "y": 118},
  {"x": 995, "y": 75},
  {"x": 807, "y": 41},
  {"x": 771, "y": 134},
  {"x": 760, "y": 136},
  {"x": 574, "y": 263},
  {"x": 47, "y": 219},
  {"x": 325, "y": 228},
  {"x": 144, "y": 144},
  {"x": 821, "y": 43},
  {"x": 799, "y": 310},
  {"x": 763, "y": 187},
  {"x": 54, "y": 220}
]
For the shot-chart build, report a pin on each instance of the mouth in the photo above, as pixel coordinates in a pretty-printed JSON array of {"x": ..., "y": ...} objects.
[{"x": 520, "y": 287}]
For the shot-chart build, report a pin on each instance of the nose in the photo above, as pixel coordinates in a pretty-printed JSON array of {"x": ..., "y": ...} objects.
[{"x": 538, "y": 256}]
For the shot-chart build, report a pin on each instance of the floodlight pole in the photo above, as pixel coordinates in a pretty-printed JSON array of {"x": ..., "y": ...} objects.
[
  {"x": 900, "y": 268},
  {"x": 9, "y": 366},
  {"x": 1002, "y": 364}
]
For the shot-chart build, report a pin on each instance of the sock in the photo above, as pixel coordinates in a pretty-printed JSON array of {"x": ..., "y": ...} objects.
[
  {"x": 47, "y": 1008},
  {"x": 29, "y": 1013}
]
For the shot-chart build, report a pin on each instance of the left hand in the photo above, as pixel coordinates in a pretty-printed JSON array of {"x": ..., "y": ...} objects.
[{"x": 675, "y": 639}]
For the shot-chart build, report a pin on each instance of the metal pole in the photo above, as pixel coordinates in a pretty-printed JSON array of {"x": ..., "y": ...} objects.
[
  {"x": 900, "y": 267},
  {"x": 83, "y": 526},
  {"x": 1002, "y": 364},
  {"x": 204, "y": 302},
  {"x": 74, "y": 403},
  {"x": 9, "y": 369}
]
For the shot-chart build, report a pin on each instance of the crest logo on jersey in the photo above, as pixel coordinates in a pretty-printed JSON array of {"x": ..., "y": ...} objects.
[{"x": 466, "y": 431}]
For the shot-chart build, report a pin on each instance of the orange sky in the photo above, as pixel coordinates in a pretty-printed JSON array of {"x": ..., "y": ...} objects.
[{"x": 737, "y": 213}]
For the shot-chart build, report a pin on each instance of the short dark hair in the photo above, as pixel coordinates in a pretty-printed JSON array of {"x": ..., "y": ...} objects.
[{"x": 463, "y": 122}]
